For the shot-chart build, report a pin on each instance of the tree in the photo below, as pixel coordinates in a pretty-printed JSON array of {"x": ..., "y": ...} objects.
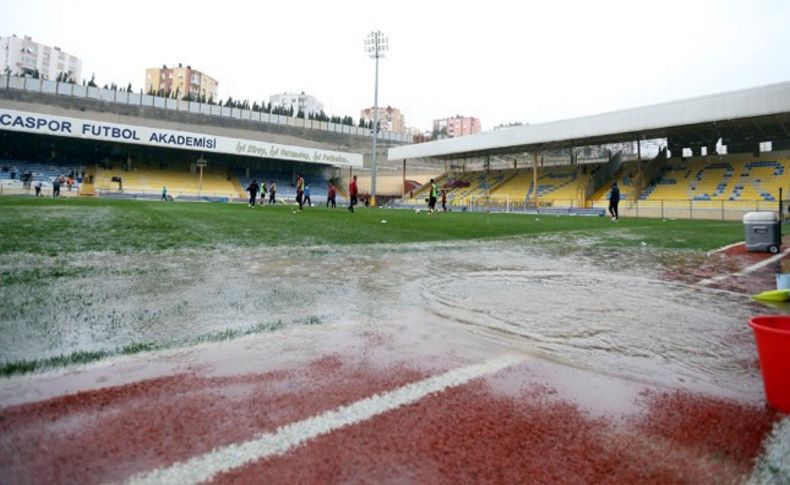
[
  {"x": 92, "y": 82},
  {"x": 65, "y": 77},
  {"x": 300, "y": 114},
  {"x": 36, "y": 74},
  {"x": 129, "y": 88},
  {"x": 361, "y": 123},
  {"x": 211, "y": 99},
  {"x": 437, "y": 134}
]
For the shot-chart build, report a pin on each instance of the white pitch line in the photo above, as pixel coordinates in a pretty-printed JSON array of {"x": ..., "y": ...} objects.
[
  {"x": 724, "y": 248},
  {"x": 744, "y": 271},
  {"x": 205, "y": 467}
]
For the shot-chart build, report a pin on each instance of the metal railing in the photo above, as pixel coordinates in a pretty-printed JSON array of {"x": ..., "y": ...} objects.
[
  {"x": 723, "y": 210},
  {"x": 137, "y": 99}
]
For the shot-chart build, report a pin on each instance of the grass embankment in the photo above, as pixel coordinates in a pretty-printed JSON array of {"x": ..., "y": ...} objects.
[{"x": 56, "y": 226}]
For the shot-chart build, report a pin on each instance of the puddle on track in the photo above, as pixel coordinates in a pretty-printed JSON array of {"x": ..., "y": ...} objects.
[{"x": 594, "y": 308}]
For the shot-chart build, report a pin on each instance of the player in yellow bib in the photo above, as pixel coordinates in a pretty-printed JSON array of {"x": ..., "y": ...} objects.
[{"x": 433, "y": 196}]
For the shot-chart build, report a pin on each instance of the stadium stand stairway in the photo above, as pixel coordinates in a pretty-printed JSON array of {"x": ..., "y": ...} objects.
[{"x": 601, "y": 176}]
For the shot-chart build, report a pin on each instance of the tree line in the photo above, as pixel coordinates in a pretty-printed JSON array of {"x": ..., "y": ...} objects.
[{"x": 263, "y": 107}]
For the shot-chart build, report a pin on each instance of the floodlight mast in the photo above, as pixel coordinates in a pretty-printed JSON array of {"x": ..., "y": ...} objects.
[{"x": 375, "y": 46}]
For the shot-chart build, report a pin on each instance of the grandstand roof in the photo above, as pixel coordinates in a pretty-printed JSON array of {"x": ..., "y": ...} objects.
[{"x": 764, "y": 109}]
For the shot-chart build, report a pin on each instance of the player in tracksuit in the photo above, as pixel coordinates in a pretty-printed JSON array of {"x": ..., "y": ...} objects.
[
  {"x": 253, "y": 190},
  {"x": 300, "y": 190},
  {"x": 614, "y": 200},
  {"x": 352, "y": 194}
]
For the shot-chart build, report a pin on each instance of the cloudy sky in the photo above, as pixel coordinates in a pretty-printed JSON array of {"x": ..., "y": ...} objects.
[{"x": 502, "y": 61}]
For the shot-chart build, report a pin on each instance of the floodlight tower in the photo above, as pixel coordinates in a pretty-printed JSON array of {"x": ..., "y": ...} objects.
[{"x": 375, "y": 46}]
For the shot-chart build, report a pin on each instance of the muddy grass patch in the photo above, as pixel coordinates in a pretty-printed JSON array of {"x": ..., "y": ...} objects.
[{"x": 25, "y": 366}]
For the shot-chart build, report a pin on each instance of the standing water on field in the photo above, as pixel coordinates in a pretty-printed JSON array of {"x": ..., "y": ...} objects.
[{"x": 597, "y": 309}]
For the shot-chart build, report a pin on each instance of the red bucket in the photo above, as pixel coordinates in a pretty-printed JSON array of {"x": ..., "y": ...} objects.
[{"x": 772, "y": 333}]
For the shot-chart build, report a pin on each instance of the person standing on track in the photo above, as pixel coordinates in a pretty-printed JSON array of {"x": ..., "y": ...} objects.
[
  {"x": 444, "y": 200},
  {"x": 263, "y": 191},
  {"x": 614, "y": 200},
  {"x": 272, "y": 193},
  {"x": 253, "y": 190},
  {"x": 299, "y": 191},
  {"x": 352, "y": 193},
  {"x": 330, "y": 196},
  {"x": 307, "y": 200}
]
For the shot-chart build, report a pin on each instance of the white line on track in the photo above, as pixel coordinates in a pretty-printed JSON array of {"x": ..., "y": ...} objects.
[
  {"x": 724, "y": 248},
  {"x": 205, "y": 467},
  {"x": 744, "y": 271}
]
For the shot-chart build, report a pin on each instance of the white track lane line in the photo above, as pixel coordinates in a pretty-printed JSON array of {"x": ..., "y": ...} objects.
[
  {"x": 744, "y": 271},
  {"x": 205, "y": 467},
  {"x": 724, "y": 248}
]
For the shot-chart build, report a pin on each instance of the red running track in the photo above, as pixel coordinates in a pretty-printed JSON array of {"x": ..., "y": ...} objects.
[
  {"x": 731, "y": 261},
  {"x": 511, "y": 426}
]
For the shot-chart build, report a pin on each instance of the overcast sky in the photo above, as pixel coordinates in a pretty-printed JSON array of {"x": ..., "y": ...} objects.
[{"x": 501, "y": 61}]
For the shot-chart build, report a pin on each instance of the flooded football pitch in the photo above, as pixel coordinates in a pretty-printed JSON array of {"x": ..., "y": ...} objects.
[{"x": 600, "y": 309}]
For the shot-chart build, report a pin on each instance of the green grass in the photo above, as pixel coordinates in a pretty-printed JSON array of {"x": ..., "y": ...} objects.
[{"x": 57, "y": 226}]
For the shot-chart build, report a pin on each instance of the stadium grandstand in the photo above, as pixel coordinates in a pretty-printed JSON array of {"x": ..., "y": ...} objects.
[
  {"x": 711, "y": 156},
  {"x": 120, "y": 144},
  {"x": 714, "y": 156}
]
